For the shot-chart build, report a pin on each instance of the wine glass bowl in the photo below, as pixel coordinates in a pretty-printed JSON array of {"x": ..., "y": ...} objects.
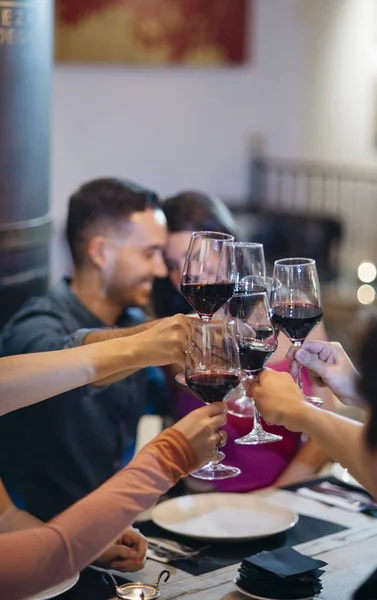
[{"x": 207, "y": 277}]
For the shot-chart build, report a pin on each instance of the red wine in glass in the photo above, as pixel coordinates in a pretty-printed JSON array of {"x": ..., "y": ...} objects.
[
  {"x": 207, "y": 298},
  {"x": 296, "y": 303},
  {"x": 254, "y": 355},
  {"x": 212, "y": 387},
  {"x": 207, "y": 278},
  {"x": 296, "y": 320}
]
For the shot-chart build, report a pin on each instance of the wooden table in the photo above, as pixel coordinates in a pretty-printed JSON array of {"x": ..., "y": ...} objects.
[{"x": 351, "y": 556}]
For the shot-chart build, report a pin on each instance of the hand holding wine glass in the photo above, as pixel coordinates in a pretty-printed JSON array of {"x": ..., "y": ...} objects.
[
  {"x": 296, "y": 303},
  {"x": 215, "y": 345}
]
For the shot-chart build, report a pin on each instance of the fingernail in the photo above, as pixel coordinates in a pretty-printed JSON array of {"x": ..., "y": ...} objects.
[{"x": 301, "y": 354}]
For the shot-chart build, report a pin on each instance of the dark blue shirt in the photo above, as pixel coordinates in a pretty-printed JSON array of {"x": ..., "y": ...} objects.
[{"x": 57, "y": 451}]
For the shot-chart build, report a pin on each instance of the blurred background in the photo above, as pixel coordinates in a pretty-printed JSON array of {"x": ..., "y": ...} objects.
[{"x": 276, "y": 113}]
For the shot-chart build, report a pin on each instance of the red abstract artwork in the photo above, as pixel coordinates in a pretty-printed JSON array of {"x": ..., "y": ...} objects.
[{"x": 198, "y": 32}]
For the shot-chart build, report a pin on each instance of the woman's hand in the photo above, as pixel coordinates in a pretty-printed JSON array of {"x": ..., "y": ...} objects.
[
  {"x": 200, "y": 428},
  {"x": 127, "y": 554}
]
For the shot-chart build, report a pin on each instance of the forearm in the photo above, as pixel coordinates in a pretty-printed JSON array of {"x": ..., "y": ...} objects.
[
  {"x": 39, "y": 558},
  {"x": 103, "y": 335},
  {"x": 30, "y": 378},
  {"x": 341, "y": 439},
  {"x": 306, "y": 463}
]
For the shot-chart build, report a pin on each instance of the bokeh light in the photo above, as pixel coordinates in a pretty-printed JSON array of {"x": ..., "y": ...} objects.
[
  {"x": 367, "y": 271},
  {"x": 366, "y": 294}
]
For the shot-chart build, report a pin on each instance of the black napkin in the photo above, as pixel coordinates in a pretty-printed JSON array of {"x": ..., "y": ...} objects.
[
  {"x": 220, "y": 554},
  {"x": 281, "y": 573}
]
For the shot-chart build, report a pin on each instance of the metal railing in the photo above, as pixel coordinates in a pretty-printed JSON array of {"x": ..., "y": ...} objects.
[{"x": 346, "y": 195}]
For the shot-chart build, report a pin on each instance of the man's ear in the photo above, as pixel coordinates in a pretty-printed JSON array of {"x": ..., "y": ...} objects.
[{"x": 97, "y": 250}]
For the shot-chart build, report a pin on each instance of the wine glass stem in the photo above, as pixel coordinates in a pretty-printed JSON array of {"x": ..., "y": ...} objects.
[{"x": 298, "y": 345}]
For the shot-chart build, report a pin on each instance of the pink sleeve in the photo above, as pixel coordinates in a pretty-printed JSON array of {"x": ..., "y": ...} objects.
[{"x": 39, "y": 558}]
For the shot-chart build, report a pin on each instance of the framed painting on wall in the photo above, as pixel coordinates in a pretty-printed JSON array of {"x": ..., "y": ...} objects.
[{"x": 152, "y": 32}]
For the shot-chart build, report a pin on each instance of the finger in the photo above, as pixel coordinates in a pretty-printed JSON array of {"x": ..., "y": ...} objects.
[
  {"x": 294, "y": 367},
  {"x": 218, "y": 421},
  {"x": 322, "y": 349},
  {"x": 127, "y": 566},
  {"x": 215, "y": 408},
  {"x": 290, "y": 353},
  {"x": 122, "y": 552},
  {"x": 311, "y": 362},
  {"x": 223, "y": 437},
  {"x": 135, "y": 540}
]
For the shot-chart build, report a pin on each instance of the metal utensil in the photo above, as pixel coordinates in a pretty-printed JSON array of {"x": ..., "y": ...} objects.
[{"x": 356, "y": 499}]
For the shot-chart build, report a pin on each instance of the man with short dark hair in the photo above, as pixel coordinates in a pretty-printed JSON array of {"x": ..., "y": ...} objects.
[{"x": 56, "y": 452}]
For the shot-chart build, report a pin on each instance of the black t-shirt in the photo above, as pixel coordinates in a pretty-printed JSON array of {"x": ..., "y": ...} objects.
[{"x": 55, "y": 452}]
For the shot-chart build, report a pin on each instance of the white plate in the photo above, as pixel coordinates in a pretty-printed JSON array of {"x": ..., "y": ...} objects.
[
  {"x": 64, "y": 586},
  {"x": 341, "y": 474},
  {"x": 245, "y": 593},
  {"x": 223, "y": 516}
]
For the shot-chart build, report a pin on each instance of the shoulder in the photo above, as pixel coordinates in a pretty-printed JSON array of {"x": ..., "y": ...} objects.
[{"x": 38, "y": 317}]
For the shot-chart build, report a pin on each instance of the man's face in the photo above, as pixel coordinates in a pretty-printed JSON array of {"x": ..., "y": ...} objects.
[{"x": 134, "y": 257}]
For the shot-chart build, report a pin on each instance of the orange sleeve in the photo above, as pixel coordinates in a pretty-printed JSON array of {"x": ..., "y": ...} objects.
[{"x": 39, "y": 558}]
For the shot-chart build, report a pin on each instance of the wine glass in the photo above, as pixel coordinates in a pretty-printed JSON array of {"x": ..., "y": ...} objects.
[
  {"x": 207, "y": 277},
  {"x": 248, "y": 261},
  {"x": 215, "y": 344},
  {"x": 296, "y": 303},
  {"x": 257, "y": 340}
]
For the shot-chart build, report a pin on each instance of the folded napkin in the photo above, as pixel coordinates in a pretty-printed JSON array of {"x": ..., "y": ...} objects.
[{"x": 281, "y": 574}]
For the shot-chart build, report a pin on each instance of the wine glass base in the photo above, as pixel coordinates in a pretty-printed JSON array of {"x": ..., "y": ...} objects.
[
  {"x": 241, "y": 407},
  {"x": 216, "y": 472},
  {"x": 315, "y": 400},
  {"x": 258, "y": 437}
]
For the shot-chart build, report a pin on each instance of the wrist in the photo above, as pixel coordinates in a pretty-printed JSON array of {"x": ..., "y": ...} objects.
[{"x": 299, "y": 418}]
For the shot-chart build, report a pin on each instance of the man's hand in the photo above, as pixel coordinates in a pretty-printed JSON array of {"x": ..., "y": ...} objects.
[
  {"x": 127, "y": 554},
  {"x": 166, "y": 342},
  {"x": 278, "y": 399},
  {"x": 328, "y": 365}
]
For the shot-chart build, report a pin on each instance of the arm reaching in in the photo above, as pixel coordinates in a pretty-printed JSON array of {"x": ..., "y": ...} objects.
[
  {"x": 328, "y": 365},
  {"x": 38, "y": 558},
  {"x": 30, "y": 378},
  {"x": 281, "y": 403}
]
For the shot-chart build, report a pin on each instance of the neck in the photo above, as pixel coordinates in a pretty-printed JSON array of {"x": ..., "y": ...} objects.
[{"x": 89, "y": 290}]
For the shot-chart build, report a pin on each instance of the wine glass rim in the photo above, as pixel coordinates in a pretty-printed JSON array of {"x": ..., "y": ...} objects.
[
  {"x": 213, "y": 235},
  {"x": 295, "y": 261},
  {"x": 245, "y": 244}
]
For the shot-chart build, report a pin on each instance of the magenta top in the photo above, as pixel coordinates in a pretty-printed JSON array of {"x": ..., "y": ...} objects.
[{"x": 260, "y": 465}]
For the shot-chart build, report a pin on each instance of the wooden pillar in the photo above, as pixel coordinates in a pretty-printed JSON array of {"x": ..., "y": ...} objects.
[{"x": 26, "y": 52}]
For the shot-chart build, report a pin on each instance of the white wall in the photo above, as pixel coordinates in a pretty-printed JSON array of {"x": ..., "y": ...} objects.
[
  {"x": 172, "y": 128},
  {"x": 310, "y": 90},
  {"x": 341, "y": 118}
]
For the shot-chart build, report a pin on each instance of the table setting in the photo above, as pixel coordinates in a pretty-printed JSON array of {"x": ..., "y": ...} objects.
[{"x": 271, "y": 544}]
